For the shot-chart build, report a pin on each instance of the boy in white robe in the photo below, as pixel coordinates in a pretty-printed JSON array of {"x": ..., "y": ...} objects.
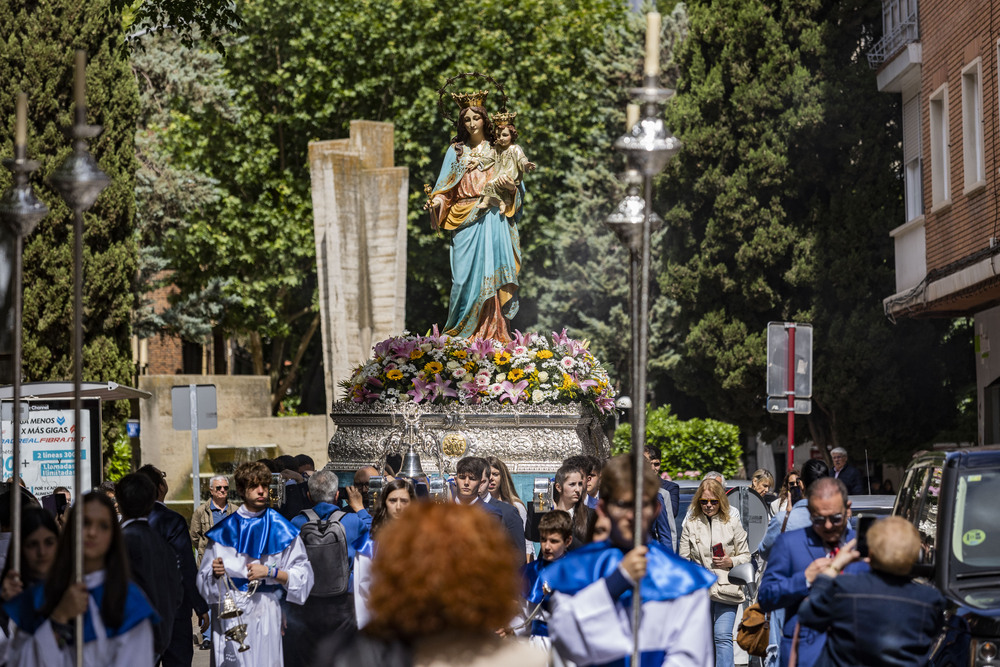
[
  {"x": 591, "y": 607},
  {"x": 261, "y": 553}
]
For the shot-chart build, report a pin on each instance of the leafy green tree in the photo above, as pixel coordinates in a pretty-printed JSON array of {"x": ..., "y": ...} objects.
[
  {"x": 688, "y": 448},
  {"x": 188, "y": 20},
  {"x": 37, "y": 41},
  {"x": 779, "y": 209}
]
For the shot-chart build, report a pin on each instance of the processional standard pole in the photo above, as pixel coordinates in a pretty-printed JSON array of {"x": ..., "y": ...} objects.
[
  {"x": 20, "y": 211},
  {"x": 79, "y": 181},
  {"x": 648, "y": 146}
]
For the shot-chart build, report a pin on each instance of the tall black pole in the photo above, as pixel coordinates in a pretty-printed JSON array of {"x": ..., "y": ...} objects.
[
  {"x": 648, "y": 146},
  {"x": 20, "y": 211},
  {"x": 79, "y": 181}
]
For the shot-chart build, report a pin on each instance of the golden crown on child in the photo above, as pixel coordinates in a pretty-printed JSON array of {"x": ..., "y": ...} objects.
[
  {"x": 476, "y": 98},
  {"x": 503, "y": 118}
]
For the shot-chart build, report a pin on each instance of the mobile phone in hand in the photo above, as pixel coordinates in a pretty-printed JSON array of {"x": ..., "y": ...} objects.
[
  {"x": 864, "y": 523},
  {"x": 717, "y": 550}
]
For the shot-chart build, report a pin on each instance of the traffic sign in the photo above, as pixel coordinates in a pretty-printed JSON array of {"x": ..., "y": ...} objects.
[{"x": 777, "y": 360}]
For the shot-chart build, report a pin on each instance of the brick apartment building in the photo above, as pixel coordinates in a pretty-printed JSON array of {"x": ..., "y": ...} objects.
[
  {"x": 942, "y": 56},
  {"x": 165, "y": 354}
]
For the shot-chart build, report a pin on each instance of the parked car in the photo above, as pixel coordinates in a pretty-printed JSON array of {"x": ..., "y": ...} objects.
[
  {"x": 874, "y": 505},
  {"x": 949, "y": 496}
]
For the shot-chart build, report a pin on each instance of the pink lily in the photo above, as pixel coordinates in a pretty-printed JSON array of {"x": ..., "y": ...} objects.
[
  {"x": 420, "y": 391},
  {"x": 512, "y": 391},
  {"x": 404, "y": 347},
  {"x": 435, "y": 337},
  {"x": 560, "y": 339},
  {"x": 483, "y": 347},
  {"x": 441, "y": 388}
]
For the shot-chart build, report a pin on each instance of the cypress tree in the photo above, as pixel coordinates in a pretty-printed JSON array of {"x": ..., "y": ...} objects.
[
  {"x": 781, "y": 204},
  {"x": 37, "y": 44}
]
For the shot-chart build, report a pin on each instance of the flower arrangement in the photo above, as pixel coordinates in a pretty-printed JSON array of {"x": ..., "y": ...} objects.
[{"x": 438, "y": 369}]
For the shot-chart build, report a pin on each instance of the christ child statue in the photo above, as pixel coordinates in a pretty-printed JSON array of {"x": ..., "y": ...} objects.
[{"x": 510, "y": 163}]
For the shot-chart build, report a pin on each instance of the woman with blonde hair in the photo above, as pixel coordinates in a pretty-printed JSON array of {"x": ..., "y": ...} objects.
[
  {"x": 762, "y": 481},
  {"x": 714, "y": 539},
  {"x": 502, "y": 487}
]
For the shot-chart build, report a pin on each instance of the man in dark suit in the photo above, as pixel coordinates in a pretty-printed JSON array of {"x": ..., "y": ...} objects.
[
  {"x": 796, "y": 559},
  {"x": 153, "y": 565},
  {"x": 664, "y": 529},
  {"x": 846, "y": 473},
  {"x": 172, "y": 527},
  {"x": 470, "y": 479}
]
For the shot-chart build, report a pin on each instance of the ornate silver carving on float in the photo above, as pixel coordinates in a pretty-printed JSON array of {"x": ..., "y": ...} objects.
[{"x": 528, "y": 438}]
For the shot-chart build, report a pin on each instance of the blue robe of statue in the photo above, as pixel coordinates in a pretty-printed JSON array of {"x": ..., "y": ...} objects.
[{"x": 485, "y": 247}]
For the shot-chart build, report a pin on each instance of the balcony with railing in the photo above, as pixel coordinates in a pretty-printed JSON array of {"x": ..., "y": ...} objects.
[{"x": 899, "y": 28}]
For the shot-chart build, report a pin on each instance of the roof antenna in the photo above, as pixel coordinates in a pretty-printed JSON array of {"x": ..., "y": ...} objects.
[{"x": 868, "y": 473}]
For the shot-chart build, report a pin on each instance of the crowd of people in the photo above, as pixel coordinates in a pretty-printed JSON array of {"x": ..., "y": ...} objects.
[{"x": 377, "y": 574}]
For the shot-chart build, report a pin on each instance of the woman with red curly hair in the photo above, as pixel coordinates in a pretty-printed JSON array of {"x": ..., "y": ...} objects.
[{"x": 442, "y": 583}]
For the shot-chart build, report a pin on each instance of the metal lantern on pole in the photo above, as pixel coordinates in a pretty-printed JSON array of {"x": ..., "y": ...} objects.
[
  {"x": 648, "y": 146},
  {"x": 20, "y": 211},
  {"x": 79, "y": 181}
]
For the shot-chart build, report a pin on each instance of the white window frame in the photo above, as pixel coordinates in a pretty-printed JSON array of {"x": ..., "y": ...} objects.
[
  {"x": 914, "y": 189},
  {"x": 973, "y": 150},
  {"x": 937, "y": 114}
]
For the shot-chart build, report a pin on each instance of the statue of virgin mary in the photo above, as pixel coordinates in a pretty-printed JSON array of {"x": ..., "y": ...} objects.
[{"x": 485, "y": 247}]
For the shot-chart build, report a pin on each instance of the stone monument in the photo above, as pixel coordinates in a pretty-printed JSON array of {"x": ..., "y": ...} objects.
[{"x": 359, "y": 218}]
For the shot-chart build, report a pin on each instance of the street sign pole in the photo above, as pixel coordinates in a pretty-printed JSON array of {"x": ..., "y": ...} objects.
[
  {"x": 195, "y": 463},
  {"x": 194, "y": 418},
  {"x": 790, "y": 328}
]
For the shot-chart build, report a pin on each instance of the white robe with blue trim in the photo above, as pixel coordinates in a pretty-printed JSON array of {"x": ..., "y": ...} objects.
[{"x": 262, "y": 611}]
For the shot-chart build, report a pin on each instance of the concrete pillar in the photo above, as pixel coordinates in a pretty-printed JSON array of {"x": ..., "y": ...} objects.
[{"x": 359, "y": 219}]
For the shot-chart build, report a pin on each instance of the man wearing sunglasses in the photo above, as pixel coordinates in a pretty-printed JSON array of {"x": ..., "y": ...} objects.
[
  {"x": 211, "y": 512},
  {"x": 797, "y": 557}
]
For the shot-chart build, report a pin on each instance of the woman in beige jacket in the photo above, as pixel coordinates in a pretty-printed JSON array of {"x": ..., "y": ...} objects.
[{"x": 716, "y": 541}]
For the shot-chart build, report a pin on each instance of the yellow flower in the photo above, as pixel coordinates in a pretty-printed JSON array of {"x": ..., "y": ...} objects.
[
  {"x": 544, "y": 354},
  {"x": 434, "y": 367},
  {"x": 469, "y": 366},
  {"x": 416, "y": 354},
  {"x": 515, "y": 374},
  {"x": 567, "y": 382},
  {"x": 394, "y": 374},
  {"x": 501, "y": 358},
  {"x": 459, "y": 354}
]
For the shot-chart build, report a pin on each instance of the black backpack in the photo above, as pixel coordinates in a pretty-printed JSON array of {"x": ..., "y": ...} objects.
[{"x": 326, "y": 546}]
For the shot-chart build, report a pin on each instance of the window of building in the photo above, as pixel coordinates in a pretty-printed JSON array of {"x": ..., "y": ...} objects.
[
  {"x": 192, "y": 358},
  {"x": 911, "y": 158},
  {"x": 972, "y": 125},
  {"x": 991, "y": 413},
  {"x": 940, "y": 157}
]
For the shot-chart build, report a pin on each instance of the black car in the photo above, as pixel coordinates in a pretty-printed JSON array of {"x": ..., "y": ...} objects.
[{"x": 949, "y": 496}]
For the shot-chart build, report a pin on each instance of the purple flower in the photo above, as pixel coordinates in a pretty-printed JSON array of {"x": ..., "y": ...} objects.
[
  {"x": 441, "y": 388},
  {"x": 523, "y": 339},
  {"x": 512, "y": 391},
  {"x": 482, "y": 347},
  {"x": 420, "y": 390},
  {"x": 560, "y": 339}
]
